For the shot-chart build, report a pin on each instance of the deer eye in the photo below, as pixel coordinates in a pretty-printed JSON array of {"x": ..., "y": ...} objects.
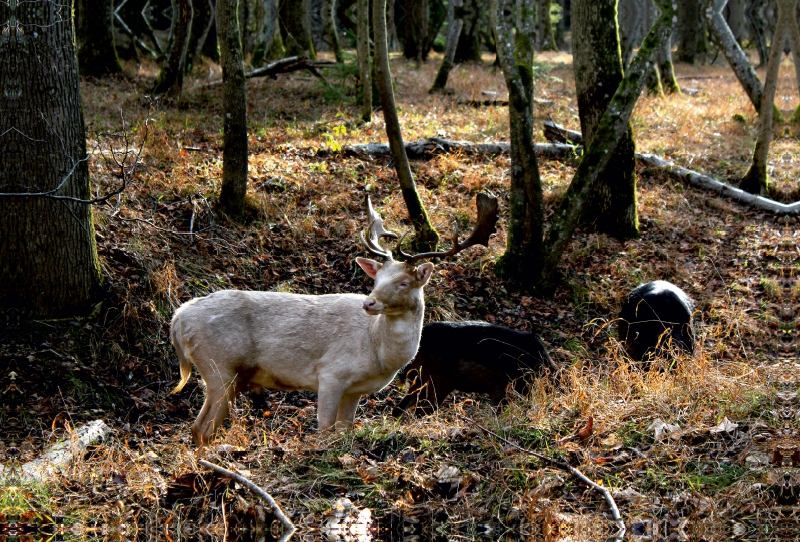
[{"x": 404, "y": 284}]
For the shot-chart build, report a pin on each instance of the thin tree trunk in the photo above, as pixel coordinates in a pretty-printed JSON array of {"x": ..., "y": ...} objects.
[
  {"x": 630, "y": 17},
  {"x": 547, "y": 38},
  {"x": 97, "y": 55},
  {"x": 690, "y": 28},
  {"x": 269, "y": 45},
  {"x": 597, "y": 63},
  {"x": 202, "y": 20},
  {"x": 234, "y": 107},
  {"x": 522, "y": 260},
  {"x": 613, "y": 126},
  {"x": 210, "y": 47},
  {"x": 170, "y": 79},
  {"x": 329, "y": 22},
  {"x": 454, "y": 31},
  {"x": 666, "y": 70},
  {"x": 417, "y": 22},
  {"x": 469, "y": 41},
  {"x": 364, "y": 60},
  {"x": 426, "y": 235},
  {"x": 736, "y": 18},
  {"x": 48, "y": 258},
  {"x": 294, "y": 28},
  {"x": 758, "y": 24}
]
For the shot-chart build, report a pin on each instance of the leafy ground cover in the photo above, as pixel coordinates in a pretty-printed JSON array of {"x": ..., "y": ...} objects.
[{"x": 683, "y": 450}]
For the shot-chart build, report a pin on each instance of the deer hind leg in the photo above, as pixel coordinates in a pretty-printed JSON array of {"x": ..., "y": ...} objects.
[
  {"x": 347, "y": 411},
  {"x": 220, "y": 394}
]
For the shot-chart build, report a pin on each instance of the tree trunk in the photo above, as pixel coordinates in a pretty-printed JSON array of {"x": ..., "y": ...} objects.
[
  {"x": 202, "y": 19},
  {"x": 736, "y": 18},
  {"x": 332, "y": 33},
  {"x": 364, "y": 60},
  {"x": 597, "y": 63},
  {"x": 758, "y": 25},
  {"x": 210, "y": 47},
  {"x": 546, "y": 36},
  {"x": 426, "y": 235},
  {"x": 416, "y": 23},
  {"x": 631, "y": 13},
  {"x": 522, "y": 260},
  {"x": 295, "y": 29},
  {"x": 170, "y": 79},
  {"x": 269, "y": 45},
  {"x": 48, "y": 258},
  {"x": 613, "y": 126},
  {"x": 97, "y": 55},
  {"x": 234, "y": 106},
  {"x": 666, "y": 70},
  {"x": 690, "y": 29},
  {"x": 469, "y": 41},
  {"x": 454, "y": 31}
]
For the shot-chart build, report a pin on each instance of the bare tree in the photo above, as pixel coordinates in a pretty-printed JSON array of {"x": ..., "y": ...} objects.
[
  {"x": 269, "y": 43},
  {"x": 97, "y": 54},
  {"x": 48, "y": 257},
  {"x": 426, "y": 235},
  {"x": 234, "y": 106},
  {"x": 364, "y": 60},
  {"x": 329, "y": 21},
  {"x": 202, "y": 21},
  {"x": 295, "y": 28},
  {"x": 454, "y": 31},
  {"x": 546, "y": 36},
  {"x": 170, "y": 79}
]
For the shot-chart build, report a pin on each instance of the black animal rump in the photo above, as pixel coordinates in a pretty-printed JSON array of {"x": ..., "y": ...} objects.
[
  {"x": 471, "y": 357},
  {"x": 656, "y": 315}
]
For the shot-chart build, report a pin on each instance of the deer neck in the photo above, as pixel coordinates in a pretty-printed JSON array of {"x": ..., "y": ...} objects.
[{"x": 396, "y": 338}]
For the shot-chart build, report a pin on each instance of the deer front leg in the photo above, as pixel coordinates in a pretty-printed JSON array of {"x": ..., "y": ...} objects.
[
  {"x": 329, "y": 397},
  {"x": 347, "y": 411}
]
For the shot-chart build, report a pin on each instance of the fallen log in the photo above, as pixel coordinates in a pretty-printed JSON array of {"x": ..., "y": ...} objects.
[
  {"x": 427, "y": 148},
  {"x": 559, "y": 134}
]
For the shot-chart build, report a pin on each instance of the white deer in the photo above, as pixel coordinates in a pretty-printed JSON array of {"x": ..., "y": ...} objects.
[{"x": 341, "y": 346}]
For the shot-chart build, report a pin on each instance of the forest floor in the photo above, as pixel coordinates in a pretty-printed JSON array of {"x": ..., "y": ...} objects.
[{"x": 690, "y": 450}]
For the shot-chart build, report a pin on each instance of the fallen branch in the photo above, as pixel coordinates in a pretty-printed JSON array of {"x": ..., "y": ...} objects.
[
  {"x": 62, "y": 454},
  {"x": 570, "y": 469},
  {"x": 290, "y": 528},
  {"x": 285, "y": 65},
  {"x": 557, "y": 133}
]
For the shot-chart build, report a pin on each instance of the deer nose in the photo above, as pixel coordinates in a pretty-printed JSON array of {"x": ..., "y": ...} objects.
[{"x": 369, "y": 304}]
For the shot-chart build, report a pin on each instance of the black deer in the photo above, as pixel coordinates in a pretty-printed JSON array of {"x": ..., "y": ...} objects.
[
  {"x": 470, "y": 357},
  {"x": 655, "y": 317}
]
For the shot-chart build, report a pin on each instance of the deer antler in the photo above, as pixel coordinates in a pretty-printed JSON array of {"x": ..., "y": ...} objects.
[
  {"x": 376, "y": 233},
  {"x": 487, "y": 218}
]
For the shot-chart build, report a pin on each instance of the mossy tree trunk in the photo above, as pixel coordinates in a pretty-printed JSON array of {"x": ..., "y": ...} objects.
[
  {"x": 269, "y": 45},
  {"x": 202, "y": 20},
  {"x": 666, "y": 70},
  {"x": 613, "y": 126},
  {"x": 515, "y": 33},
  {"x": 690, "y": 30},
  {"x": 546, "y": 35},
  {"x": 364, "y": 60},
  {"x": 598, "y": 72},
  {"x": 469, "y": 41},
  {"x": 97, "y": 55},
  {"x": 426, "y": 235},
  {"x": 234, "y": 107},
  {"x": 295, "y": 29},
  {"x": 48, "y": 258},
  {"x": 170, "y": 79},
  {"x": 454, "y": 31},
  {"x": 755, "y": 180}
]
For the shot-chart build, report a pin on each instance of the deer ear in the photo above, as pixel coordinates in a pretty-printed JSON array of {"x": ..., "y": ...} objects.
[
  {"x": 424, "y": 273},
  {"x": 370, "y": 267}
]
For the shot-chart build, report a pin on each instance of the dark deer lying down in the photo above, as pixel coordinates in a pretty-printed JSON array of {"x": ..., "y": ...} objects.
[
  {"x": 471, "y": 357},
  {"x": 340, "y": 345},
  {"x": 656, "y": 316}
]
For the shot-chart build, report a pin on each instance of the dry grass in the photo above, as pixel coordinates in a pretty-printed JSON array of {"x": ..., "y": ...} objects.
[{"x": 299, "y": 237}]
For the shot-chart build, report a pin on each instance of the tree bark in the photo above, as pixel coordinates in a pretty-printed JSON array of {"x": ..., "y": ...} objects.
[
  {"x": 758, "y": 25},
  {"x": 269, "y": 45},
  {"x": 690, "y": 28},
  {"x": 756, "y": 180},
  {"x": 329, "y": 21},
  {"x": 202, "y": 20},
  {"x": 210, "y": 47},
  {"x": 416, "y": 23},
  {"x": 454, "y": 31},
  {"x": 294, "y": 28},
  {"x": 469, "y": 41},
  {"x": 613, "y": 126},
  {"x": 736, "y": 18},
  {"x": 630, "y": 17},
  {"x": 48, "y": 258},
  {"x": 522, "y": 260},
  {"x": 170, "y": 79},
  {"x": 364, "y": 60},
  {"x": 426, "y": 235},
  {"x": 666, "y": 70},
  {"x": 547, "y": 38},
  {"x": 234, "y": 106},
  {"x": 97, "y": 55},
  {"x": 597, "y": 63}
]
